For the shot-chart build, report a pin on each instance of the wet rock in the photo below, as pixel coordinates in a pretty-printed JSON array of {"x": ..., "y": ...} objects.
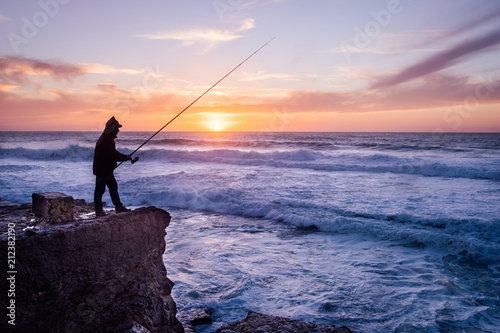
[
  {"x": 194, "y": 317},
  {"x": 260, "y": 323},
  {"x": 130, "y": 328}
]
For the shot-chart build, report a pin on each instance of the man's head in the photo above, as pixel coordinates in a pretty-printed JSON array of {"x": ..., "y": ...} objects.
[{"x": 112, "y": 126}]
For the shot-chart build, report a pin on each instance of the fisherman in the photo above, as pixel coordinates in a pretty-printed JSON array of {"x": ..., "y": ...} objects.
[{"x": 105, "y": 158}]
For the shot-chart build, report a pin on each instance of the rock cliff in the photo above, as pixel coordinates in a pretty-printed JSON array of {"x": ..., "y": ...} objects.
[{"x": 88, "y": 275}]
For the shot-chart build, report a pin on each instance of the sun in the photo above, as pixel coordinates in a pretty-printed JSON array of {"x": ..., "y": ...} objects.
[
  {"x": 216, "y": 122},
  {"x": 217, "y": 127}
]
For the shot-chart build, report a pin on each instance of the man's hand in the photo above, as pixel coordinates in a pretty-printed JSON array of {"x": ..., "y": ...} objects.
[{"x": 129, "y": 157}]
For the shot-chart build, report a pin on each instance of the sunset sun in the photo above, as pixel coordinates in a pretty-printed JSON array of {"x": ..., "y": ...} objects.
[
  {"x": 216, "y": 127},
  {"x": 216, "y": 122}
]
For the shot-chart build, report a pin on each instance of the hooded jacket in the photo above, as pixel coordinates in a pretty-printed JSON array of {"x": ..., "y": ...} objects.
[{"x": 106, "y": 155}]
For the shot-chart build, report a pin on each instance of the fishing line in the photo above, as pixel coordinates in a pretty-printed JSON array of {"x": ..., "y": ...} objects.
[{"x": 187, "y": 107}]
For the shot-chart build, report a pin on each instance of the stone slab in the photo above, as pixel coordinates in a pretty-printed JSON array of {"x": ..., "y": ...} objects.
[{"x": 53, "y": 207}]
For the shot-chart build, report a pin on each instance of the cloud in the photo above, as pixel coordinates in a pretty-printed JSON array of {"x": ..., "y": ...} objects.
[
  {"x": 18, "y": 69},
  {"x": 261, "y": 75},
  {"x": 200, "y": 35},
  {"x": 7, "y": 86},
  {"x": 4, "y": 18},
  {"x": 476, "y": 22},
  {"x": 106, "y": 69},
  {"x": 448, "y": 57},
  {"x": 58, "y": 108},
  {"x": 440, "y": 61},
  {"x": 386, "y": 43},
  {"x": 106, "y": 86},
  {"x": 468, "y": 26},
  {"x": 436, "y": 92}
]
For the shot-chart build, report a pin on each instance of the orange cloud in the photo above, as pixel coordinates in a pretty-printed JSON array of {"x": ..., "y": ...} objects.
[
  {"x": 146, "y": 108},
  {"x": 106, "y": 69},
  {"x": 7, "y": 86}
]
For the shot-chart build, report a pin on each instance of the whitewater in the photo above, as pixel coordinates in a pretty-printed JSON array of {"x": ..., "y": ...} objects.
[{"x": 380, "y": 232}]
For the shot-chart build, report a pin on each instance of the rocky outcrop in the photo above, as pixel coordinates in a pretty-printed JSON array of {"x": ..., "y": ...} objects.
[
  {"x": 260, "y": 323},
  {"x": 88, "y": 275}
]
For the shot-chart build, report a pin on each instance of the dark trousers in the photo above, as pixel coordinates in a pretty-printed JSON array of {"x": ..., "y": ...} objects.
[{"x": 100, "y": 187}]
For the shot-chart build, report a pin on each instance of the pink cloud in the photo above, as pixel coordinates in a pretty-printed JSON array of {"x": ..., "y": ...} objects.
[
  {"x": 437, "y": 91},
  {"x": 463, "y": 28},
  {"x": 18, "y": 69},
  {"x": 439, "y": 61},
  {"x": 92, "y": 105}
]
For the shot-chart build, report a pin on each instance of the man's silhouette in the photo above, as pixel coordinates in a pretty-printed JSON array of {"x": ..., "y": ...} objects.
[{"x": 105, "y": 158}]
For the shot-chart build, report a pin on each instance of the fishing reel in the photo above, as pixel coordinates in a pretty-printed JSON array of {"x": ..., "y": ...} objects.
[{"x": 134, "y": 160}]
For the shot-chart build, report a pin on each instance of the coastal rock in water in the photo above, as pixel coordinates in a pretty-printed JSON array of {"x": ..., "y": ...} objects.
[
  {"x": 91, "y": 275},
  {"x": 260, "y": 323},
  {"x": 194, "y": 317}
]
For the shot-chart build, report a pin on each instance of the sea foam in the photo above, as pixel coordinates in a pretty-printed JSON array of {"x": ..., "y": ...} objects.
[{"x": 299, "y": 158}]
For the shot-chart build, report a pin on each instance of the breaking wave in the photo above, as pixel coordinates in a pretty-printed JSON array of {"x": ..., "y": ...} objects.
[
  {"x": 298, "y": 158},
  {"x": 471, "y": 237},
  {"x": 71, "y": 152}
]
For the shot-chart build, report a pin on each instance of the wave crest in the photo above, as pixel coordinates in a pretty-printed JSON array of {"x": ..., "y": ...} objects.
[
  {"x": 72, "y": 152},
  {"x": 299, "y": 158},
  {"x": 469, "y": 237}
]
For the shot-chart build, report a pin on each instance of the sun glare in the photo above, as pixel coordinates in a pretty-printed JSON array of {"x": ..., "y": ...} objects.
[
  {"x": 216, "y": 127},
  {"x": 216, "y": 122}
]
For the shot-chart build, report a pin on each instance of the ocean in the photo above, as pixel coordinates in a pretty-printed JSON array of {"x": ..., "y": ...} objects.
[{"x": 381, "y": 232}]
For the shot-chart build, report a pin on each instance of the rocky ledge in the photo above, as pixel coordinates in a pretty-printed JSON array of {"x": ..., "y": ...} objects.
[{"x": 86, "y": 275}]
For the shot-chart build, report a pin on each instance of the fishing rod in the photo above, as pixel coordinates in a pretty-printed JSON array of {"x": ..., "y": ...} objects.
[{"x": 187, "y": 107}]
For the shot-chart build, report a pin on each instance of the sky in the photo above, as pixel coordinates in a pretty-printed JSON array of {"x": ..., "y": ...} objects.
[{"x": 330, "y": 65}]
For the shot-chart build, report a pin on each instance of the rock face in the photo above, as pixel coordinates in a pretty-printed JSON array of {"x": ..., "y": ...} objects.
[
  {"x": 91, "y": 275},
  {"x": 260, "y": 323}
]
